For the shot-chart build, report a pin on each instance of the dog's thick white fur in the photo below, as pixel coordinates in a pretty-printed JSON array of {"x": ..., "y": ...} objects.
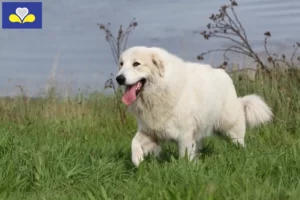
[{"x": 184, "y": 102}]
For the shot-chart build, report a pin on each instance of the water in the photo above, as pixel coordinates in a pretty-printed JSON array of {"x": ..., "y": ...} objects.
[{"x": 71, "y": 40}]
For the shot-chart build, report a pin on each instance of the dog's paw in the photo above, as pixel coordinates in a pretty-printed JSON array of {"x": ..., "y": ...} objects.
[{"x": 137, "y": 157}]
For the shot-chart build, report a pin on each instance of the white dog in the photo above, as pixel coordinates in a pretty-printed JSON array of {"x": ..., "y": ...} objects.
[{"x": 182, "y": 101}]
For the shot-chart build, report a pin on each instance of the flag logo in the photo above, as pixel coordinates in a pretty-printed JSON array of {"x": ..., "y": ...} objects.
[{"x": 21, "y": 15}]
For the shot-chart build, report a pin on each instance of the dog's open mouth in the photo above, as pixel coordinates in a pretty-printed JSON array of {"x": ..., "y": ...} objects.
[{"x": 132, "y": 91}]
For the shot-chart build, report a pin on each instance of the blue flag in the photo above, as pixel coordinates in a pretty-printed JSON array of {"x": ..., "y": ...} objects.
[{"x": 21, "y": 15}]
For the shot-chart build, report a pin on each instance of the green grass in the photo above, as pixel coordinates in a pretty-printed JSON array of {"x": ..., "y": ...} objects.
[{"x": 78, "y": 149}]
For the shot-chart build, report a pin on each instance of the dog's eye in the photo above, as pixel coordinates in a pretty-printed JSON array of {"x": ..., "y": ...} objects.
[
  {"x": 136, "y": 64},
  {"x": 121, "y": 63}
]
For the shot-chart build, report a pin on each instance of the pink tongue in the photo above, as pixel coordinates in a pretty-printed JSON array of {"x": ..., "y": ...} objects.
[{"x": 130, "y": 94}]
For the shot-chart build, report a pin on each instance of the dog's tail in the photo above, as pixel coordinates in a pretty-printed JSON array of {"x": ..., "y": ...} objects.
[{"x": 256, "y": 110}]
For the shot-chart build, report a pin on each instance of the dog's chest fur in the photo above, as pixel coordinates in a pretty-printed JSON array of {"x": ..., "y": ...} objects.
[
  {"x": 159, "y": 131},
  {"x": 154, "y": 113}
]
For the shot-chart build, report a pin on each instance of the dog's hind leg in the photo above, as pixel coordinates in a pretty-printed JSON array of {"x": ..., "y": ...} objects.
[
  {"x": 232, "y": 123},
  {"x": 141, "y": 146},
  {"x": 237, "y": 133}
]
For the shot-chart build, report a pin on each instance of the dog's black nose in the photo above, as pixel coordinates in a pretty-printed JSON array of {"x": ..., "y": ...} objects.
[{"x": 121, "y": 79}]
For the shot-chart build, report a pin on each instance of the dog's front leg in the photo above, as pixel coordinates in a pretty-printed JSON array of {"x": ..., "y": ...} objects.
[
  {"x": 141, "y": 146},
  {"x": 187, "y": 146}
]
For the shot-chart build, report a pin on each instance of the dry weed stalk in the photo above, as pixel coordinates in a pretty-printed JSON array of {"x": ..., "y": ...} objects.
[
  {"x": 226, "y": 25},
  {"x": 117, "y": 45}
]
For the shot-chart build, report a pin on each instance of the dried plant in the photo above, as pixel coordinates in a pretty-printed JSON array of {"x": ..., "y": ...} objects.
[
  {"x": 117, "y": 45},
  {"x": 226, "y": 25},
  {"x": 276, "y": 60}
]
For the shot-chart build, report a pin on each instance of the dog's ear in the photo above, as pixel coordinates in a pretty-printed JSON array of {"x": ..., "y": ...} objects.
[{"x": 158, "y": 62}]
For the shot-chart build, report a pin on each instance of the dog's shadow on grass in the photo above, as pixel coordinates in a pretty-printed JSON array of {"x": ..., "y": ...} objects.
[{"x": 168, "y": 154}]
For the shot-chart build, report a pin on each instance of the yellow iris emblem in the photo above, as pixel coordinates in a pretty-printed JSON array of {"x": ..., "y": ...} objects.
[{"x": 22, "y": 16}]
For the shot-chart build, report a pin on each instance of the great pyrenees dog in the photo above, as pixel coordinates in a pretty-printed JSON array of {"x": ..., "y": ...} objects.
[{"x": 173, "y": 99}]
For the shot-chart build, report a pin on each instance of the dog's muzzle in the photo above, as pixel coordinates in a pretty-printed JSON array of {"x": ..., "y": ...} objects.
[{"x": 121, "y": 79}]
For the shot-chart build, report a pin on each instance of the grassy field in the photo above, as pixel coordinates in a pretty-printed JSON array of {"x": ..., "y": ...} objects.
[{"x": 78, "y": 149}]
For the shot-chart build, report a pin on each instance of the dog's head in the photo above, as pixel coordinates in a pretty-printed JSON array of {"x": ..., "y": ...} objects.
[{"x": 139, "y": 68}]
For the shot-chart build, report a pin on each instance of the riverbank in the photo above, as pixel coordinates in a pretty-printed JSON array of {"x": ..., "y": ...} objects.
[{"x": 78, "y": 149}]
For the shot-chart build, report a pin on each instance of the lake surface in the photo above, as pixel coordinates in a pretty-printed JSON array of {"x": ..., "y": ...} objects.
[{"x": 72, "y": 42}]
